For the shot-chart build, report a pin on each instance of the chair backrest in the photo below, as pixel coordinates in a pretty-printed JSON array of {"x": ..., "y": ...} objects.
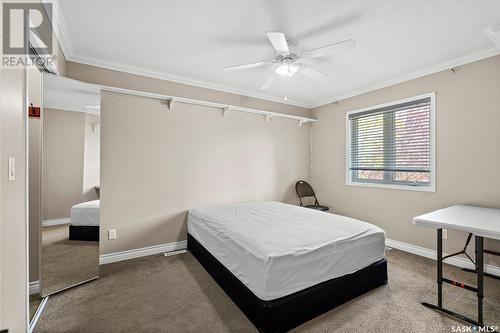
[{"x": 304, "y": 190}]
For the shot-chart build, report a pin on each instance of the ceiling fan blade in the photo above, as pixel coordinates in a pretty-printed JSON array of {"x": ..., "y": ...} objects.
[
  {"x": 246, "y": 66},
  {"x": 269, "y": 81},
  {"x": 312, "y": 72},
  {"x": 278, "y": 40},
  {"x": 329, "y": 49}
]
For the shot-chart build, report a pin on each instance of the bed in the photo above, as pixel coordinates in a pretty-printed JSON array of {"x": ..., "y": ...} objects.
[
  {"x": 284, "y": 264},
  {"x": 84, "y": 223}
]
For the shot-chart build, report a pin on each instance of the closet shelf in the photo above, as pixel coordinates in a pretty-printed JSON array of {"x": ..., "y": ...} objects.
[{"x": 226, "y": 109}]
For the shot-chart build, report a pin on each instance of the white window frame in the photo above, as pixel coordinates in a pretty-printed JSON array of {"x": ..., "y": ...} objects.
[{"x": 432, "y": 184}]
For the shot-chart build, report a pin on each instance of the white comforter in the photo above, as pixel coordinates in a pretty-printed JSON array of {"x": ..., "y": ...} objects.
[
  {"x": 85, "y": 214},
  {"x": 277, "y": 249}
]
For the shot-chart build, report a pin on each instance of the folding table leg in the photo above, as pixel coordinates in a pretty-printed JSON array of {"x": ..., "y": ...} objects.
[
  {"x": 480, "y": 283},
  {"x": 480, "y": 278},
  {"x": 440, "y": 266}
]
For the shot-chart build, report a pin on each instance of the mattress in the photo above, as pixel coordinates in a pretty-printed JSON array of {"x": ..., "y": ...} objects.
[
  {"x": 277, "y": 249},
  {"x": 85, "y": 214}
]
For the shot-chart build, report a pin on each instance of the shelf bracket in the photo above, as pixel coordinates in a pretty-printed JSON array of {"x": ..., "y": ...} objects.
[
  {"x": 170, "y": 103},
  {"x": 268, "y": 117},
  {"x": 225, "y": 111},
  {"x": 302, "y": 122}
]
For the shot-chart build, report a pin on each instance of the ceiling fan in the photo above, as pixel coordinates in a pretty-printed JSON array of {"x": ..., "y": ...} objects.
[{"x": 290, "y": 60}]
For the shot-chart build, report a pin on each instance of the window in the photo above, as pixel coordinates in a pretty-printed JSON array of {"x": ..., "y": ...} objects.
[{"x": 392, "y": 145}]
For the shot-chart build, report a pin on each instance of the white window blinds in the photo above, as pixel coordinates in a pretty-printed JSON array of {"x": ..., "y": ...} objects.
[{"x": 391, "y": 144}]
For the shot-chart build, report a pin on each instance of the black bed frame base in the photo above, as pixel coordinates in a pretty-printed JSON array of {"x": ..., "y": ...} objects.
[
  {"x": 84, "y": 233},
  {"x": 283, "y": 314}
]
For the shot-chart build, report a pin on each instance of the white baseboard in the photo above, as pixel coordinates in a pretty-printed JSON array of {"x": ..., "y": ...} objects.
[
  {"x": 34, "y": 287},
  {"x": 431, "y": 254},
  {"x": 175, "y": 246},
  {"x": 52, "y": 222},
  {"x": 141, "y": 252}
]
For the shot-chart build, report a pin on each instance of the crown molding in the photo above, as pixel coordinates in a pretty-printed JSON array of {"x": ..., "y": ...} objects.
[
  {"x": 69, "y": 53},
  {"x": 66, "y": 44},
  {"x": 116, "y": 66},
  {"x": 355, "y": 92},
  {"x": 415, "y": 75},
  {"x": 61, "y": 29}
]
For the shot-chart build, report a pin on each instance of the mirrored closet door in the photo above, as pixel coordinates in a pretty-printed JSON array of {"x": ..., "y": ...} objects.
[{"x": 69, "y": 183}]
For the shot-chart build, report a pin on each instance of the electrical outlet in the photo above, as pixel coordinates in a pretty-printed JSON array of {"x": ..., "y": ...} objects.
[
  {"x": 111, "y": 234},
  {"x": 445, "y": 234}
]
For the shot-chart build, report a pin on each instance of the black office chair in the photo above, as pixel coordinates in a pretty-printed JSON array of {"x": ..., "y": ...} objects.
[{"x": 305, "y": 190}]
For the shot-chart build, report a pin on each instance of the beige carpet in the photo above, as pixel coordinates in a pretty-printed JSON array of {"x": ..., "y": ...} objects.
[
  {"x": 175, "y": 294},
  {"x": 66, "y": 262}
]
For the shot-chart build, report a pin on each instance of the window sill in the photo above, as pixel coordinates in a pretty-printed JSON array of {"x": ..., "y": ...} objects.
[{"x": 430, "y": 188}]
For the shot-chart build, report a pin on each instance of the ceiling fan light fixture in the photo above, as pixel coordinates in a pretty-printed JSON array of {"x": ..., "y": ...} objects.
[{"x": 287, "y": 69}]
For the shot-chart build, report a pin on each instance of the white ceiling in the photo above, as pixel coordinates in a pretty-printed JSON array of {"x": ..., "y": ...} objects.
[
  {"x": 191, "y": 40},
  {"x": 70, "y": 95}
]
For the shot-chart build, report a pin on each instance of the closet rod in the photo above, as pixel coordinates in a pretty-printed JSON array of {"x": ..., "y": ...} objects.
[{"x": 226, "y": 108}]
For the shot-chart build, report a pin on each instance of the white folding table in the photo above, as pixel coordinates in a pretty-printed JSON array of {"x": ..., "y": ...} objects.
[{"x": 478, "y": 221}]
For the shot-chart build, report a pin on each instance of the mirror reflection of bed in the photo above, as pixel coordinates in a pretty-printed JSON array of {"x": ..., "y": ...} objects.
[{"x": 69, "y": 251}]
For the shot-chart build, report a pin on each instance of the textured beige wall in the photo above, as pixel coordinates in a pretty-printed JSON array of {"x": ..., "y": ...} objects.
[
  {"x": 63, "y": 156},
  {"x": 91, "y": 163},
  {"x": 157, "y": 163},
  {"x": 468, "y": 154},
  {"x": 13, "y": 217},
  {"x": 98, "y": 75}
]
